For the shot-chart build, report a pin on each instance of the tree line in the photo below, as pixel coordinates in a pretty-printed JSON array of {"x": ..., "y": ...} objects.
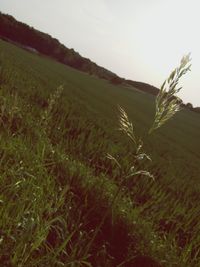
[{"x": 43, "y": 43}]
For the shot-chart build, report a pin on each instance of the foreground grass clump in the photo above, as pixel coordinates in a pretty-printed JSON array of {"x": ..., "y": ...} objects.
[{"x": 57, "y": 183}]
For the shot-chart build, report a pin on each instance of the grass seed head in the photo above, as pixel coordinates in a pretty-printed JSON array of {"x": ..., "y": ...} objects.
[{"x": 167, "y": 102}]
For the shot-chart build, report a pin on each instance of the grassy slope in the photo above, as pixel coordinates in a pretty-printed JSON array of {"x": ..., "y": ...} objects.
[
  {"x": 101, "y": 99},
  {"x": 88, "y": 115}
]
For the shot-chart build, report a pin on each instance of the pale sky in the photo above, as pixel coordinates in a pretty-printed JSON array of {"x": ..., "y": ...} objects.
[{"x": 142, "y": 40}]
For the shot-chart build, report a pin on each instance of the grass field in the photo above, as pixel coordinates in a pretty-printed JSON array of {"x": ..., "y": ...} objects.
[{"x": 56, "y": 181}]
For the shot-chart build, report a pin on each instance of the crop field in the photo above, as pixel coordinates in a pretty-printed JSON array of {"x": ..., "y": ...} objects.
[{"x": 57, "y": 126}]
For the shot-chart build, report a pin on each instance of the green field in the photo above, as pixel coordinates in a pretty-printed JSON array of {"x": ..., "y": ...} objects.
[{"x": 56, "y": 181}]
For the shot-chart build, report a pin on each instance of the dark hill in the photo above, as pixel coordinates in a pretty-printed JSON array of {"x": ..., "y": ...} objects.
[
  {"x": 21, "y": 33},
  {"x": 29, "y": 38}
]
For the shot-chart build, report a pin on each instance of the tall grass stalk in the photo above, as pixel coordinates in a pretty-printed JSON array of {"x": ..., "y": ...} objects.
[
  {"x": 126, "y": 126},
  {"x": 52, "y": 102},
  {"x": 167, "y": 102}
]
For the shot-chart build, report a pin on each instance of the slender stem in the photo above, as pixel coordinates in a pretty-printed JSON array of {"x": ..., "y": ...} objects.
[{"x": 104, "y": 216}]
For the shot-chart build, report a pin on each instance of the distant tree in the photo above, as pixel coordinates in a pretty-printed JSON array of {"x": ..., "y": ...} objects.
[
  {"x": 197, "y": 109},
  {"x": 116, "y": 80},
  {"x": 189, "y": 106}
]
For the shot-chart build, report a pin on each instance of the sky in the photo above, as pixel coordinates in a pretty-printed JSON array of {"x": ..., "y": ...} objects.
[{"x": 142, "y": 40}]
